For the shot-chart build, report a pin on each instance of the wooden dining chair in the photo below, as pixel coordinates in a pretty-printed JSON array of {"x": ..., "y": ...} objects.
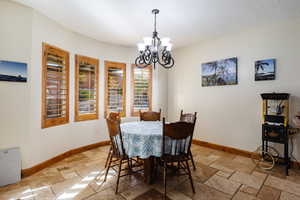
[
  {"x": 177, "y": 139},
  {"x": 150, "y": 115},
  {"x": 118, "y": 156},
  {"x": 190, "y": 118},
  {"x": 112, "y": 116}
]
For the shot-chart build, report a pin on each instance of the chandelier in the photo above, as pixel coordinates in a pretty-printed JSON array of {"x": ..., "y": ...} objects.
[{"x": 155, "y": 50}]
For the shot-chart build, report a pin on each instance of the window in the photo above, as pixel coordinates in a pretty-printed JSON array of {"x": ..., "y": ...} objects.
[
  {"x": 115, "y": 88},
  {"x": 141, "y": 87},
  {"x": 86, "y": 88},
  {"x": 55, "y": 86}
]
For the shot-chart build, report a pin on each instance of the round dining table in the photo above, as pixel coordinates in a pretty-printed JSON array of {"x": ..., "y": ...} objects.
[{"x": 143, "y": 139}]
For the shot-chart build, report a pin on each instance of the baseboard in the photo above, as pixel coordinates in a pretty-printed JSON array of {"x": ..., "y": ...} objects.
[
  {"x": 232, "y": 150},
  {"x": 47, "y": 163},
  {"x": 223, "y": 148}
]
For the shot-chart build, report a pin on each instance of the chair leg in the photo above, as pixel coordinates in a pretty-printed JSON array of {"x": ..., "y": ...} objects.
[
  {"x": 107, "y": 169},
  {"x": 108, "y": 157},
  {"x": 119, "y": 173},
  {"x": 165, "y": 179},
  {"x": 129, "y": 165},
  {"x": 192, "y": 159},
  {"x": 190, "y": 175},
  {"x": 155, "y": 169}
]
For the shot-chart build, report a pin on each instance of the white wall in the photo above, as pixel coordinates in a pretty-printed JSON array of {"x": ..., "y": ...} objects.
[
  {"x": 231, "y": 115},
  {"x": 39, "y": 144},
  {"x": 15, "y": 45}
]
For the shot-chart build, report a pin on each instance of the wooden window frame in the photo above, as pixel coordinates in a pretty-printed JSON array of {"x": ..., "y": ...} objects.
[
  {"x": 117, "y": 65},
  {"x": 85, "y": 117},
  {"x": 61, "y": 120},
  {"x": 149, "y": 67}
]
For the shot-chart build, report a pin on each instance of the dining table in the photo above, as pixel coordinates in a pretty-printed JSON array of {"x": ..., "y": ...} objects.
[{"x": 143, "y": 139}]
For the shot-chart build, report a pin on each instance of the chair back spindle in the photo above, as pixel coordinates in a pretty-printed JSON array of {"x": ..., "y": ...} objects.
[
  {"x": 188, "y": 117},
  {"x": 177, "y": 137}
]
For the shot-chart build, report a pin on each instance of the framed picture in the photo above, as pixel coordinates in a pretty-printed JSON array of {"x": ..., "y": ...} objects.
[
  {"x": 13, "y": 71},
  {"x": 265, "y": 70},
  {"x": 222, "y": 72}
]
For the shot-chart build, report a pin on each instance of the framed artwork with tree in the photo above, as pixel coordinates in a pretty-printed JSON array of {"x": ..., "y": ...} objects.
[
  {"x": 221, "y": 72},
  {"x": 265, "y": 70}
]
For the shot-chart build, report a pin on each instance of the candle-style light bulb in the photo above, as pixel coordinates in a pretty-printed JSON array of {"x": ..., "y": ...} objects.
[
  {"x": 148, "y": 41},
  {"x": 141, "y": 46},
  {"x": 165, "y": 42},
  {"x": 169, "y": 47}
]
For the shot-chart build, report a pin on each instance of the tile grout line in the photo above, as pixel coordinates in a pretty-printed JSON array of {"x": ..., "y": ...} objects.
[
  {"x": 231, "y": 175},
  {"x": 262, "y": 185},
  {"x": 236, "y": 191},
  {"x": 220, "y": 190},
  {"x": 214, "y": 174},
  {"x": 53, "y": 192},
  {"x": 279, "y": 195},
  {"x": 217, "y": 190}
]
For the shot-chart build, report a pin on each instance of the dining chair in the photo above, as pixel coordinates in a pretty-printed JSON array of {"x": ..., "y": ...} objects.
[
  {"x": 150, "y": 115},
  {"x": 112, "y": 116},
  {"x": 190, "y": 118},
  {"x": 177, "y": 139},
  {"x": 118, "y": 156}
]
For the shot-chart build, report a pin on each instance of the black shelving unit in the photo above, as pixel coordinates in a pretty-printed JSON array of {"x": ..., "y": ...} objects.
[{"x": 275, "y": 123}]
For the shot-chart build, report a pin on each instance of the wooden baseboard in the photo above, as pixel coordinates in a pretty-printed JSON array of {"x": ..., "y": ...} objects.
[
  {"x": 223, "y": 148},
  {"x": 47, "y": 163},
  {"x": 232, "y": 150}
]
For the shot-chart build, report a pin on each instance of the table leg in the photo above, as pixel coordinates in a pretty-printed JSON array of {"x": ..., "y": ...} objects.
[{"x": 148, "y": 170}]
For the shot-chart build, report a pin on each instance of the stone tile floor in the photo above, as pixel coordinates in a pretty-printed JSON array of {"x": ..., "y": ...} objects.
[{"x": 219, "y": 175}]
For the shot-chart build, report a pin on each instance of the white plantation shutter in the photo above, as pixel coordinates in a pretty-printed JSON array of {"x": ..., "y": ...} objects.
[{"x": 142, "y": 89}]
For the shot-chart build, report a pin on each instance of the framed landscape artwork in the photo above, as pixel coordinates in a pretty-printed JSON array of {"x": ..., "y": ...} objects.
[
  {"x": 222, "y": 72},
  {"x": 265, "y": 70},
  {"x": 13, "y": 71}
]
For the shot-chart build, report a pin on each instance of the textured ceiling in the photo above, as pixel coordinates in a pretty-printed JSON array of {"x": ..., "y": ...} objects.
[{"x": 126, "y": 22}]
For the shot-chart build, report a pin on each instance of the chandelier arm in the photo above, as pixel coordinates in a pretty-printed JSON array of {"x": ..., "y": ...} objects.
[
  {"x": 148, "y": 58},
  {"x": 170, "y": 64},
  {"x": 160, "y": 62},
  {"x": 145, "y": 63},
  {"x": 165, "y": 57},
  {"x": 138, "y": 62},
  {"x": 145, "y": 58},
  {"x": 167, "y": 60}
]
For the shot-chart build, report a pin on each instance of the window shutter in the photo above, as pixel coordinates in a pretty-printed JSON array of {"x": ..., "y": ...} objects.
[
  {"x": 55, "y": 88},
  {"x": 141, "y": 89},
  {"x": 86, "y": 88},
  {"x": 115, "y": 97}
]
